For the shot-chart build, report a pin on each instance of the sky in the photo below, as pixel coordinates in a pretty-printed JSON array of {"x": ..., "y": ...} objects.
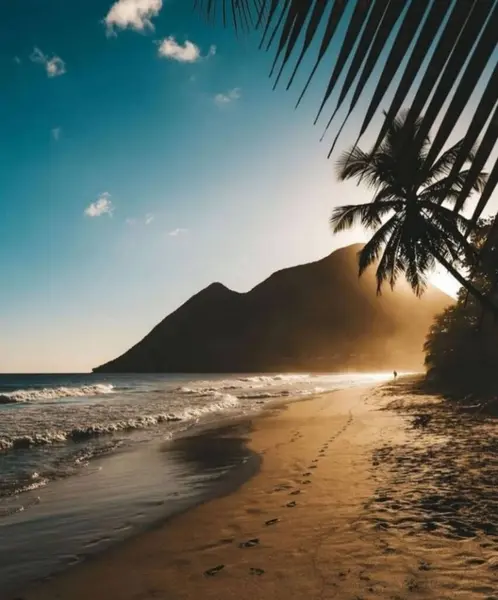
[{"x": 144, "y": 155}]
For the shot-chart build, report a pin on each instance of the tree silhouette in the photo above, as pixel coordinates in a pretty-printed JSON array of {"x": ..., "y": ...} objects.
[
  {"x": 412, "y": 228},
  {"x": 438, "y": 50},
  {"x": 462, "y": 344}
]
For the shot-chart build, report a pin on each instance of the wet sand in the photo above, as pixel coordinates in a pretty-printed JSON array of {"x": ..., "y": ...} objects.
[{"x": 355, "y": 499}]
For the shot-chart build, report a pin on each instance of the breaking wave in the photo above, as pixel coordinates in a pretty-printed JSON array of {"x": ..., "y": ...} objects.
[
  {"x": 222, "y": 403},
  {"x": 282, "y": 377},
  {"x": 54, "y": 393}
]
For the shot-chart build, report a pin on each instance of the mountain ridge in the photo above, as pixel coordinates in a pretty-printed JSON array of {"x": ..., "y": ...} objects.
[{"x": 316, "y": 316}]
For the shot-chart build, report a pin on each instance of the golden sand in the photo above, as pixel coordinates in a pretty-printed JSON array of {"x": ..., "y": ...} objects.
[{"x": 320, "y": 520}]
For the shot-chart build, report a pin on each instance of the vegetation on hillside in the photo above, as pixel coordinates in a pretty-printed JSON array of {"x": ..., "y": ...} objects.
[
  {"x": 441, "y": 54},
  {"x": 462, "y": 345}
]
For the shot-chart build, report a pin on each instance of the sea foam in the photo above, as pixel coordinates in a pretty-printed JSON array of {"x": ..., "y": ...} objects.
[
  {"x": 41, "y": 394},
  {"x": 221, "y": 403}
]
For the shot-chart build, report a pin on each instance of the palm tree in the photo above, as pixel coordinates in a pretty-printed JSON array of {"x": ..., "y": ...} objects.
[
  {"x": 441, "y": 51},
  {"x": 413, "y": 229}
]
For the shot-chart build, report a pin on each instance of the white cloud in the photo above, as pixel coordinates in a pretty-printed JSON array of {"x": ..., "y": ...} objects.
[
  {"x": 177, "y": 232},
  {"x": 56, "y": 133},
  {"x": 17, "y": 60},
  {"x": 187, "y": 52},
  {"x": 132, "y": 14},
  {"x": 170, "y": 48},
  {"x": 230, "y": 96},
  {"x": 131, "y": 221},
  {"x": 102, "y": 206},
  {"x": 149, "y": 217},
  {"x": 54, "y": 66}
]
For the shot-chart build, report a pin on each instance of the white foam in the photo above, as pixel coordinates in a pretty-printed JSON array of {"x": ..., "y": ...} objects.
[
  {"x": 252, "y": 382},
  {"x": 34, "y": 395},
  {"x": 263, "y": 395},
  {"x": 222, "y": 403},
  {"x": 281, "y": 377}
]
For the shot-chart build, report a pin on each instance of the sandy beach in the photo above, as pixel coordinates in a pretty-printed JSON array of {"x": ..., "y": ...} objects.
[{"x": 354, "y": 500}]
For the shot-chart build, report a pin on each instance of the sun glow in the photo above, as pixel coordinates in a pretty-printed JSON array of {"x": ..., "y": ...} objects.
[{"x": 445, "y": 282}]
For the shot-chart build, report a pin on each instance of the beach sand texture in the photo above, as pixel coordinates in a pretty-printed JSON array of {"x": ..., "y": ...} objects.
[{"x": 351, "y": 503}]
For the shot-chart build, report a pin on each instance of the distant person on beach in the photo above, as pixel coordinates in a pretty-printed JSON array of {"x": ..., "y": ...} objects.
[{"x": 395, "y": 373}]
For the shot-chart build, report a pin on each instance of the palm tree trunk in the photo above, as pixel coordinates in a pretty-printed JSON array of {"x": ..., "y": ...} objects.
[{"x": 479, "y": 296}]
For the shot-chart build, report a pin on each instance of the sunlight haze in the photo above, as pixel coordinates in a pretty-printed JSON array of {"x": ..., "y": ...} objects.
[{"x": 157, "y": 161}]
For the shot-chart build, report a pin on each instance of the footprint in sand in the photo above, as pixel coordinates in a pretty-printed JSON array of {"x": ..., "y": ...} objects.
[
  {"x": 312, "y": 467},
  {"x": 306, "y": 474},
  {"x": 306, "y": 482},
  {"x": 295, "y": 492},
  {"x": 256, "y": 571},
  {"x": 282, "y": 487},
  {"x": 249, "y": 543},
  {"x": 214, "y": 571},
  {"x": 271, "y": 522},
  {"x": 291, "y": 504}
]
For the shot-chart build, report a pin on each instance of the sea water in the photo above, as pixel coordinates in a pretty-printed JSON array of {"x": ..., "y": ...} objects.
[{"x": 86, "y": 460}]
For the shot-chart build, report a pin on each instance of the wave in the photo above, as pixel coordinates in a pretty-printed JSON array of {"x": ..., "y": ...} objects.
[
  {"x": 263, "y": 395},
  {"x": 33, "y": 395},
  {"x": 282, "y": 394},
  {"x": 224, "y": 402},
  {"x": 256, "y": 384},
  {"x": 281, "y": 377},
  {"x": 12, "y": 487},
  {"x": 207, "y": 391},
  {"x": 208, "y": 388}
]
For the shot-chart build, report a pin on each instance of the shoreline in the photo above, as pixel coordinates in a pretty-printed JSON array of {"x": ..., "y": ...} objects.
[
  {"x": 338, "y": 509},
  {"x": 203, "y": 463},
  {"x": 256, "y": 427},
  {"x": 142, "y": 482}
]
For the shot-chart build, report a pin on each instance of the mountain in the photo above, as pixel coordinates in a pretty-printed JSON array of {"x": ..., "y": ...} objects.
[{"x": 319, "y": 316}]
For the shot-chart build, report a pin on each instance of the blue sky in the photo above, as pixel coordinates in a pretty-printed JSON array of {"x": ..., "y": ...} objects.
[{"x": 144, "y": 155}]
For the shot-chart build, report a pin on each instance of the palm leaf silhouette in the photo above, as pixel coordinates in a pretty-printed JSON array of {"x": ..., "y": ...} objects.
[
  {"x": 448, "y": 46},
  {"x": 412, "y": 229}
]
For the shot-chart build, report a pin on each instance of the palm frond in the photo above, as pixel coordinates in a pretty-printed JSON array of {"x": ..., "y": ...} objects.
[
  {"x": 451, "y": 228},
  {"x": 357, "y": 163},
  {"x": 448, "y": 46},
  {"x": 400, "y": 48},
  {"x": 371, "y": 250},
  {"x": 430, "y": 30},
  {"x": 363, "y": 46},
  {"x": 486, "y": 195},
  {"x": 368, "y": 215},
  {"x": 482, "y": 154},
  {"x": 417, "y": 263},
  {"x": 475, "y": 15},
  {"x": 390, "y": 265},
  {"x": 444, "y": 164},
  {"x": 441, "y": 192},
  {"x": 358, "y": 20}
]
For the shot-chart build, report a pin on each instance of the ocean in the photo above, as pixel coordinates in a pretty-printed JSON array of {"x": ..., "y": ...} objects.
[{"x": 88, "y": 459}]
